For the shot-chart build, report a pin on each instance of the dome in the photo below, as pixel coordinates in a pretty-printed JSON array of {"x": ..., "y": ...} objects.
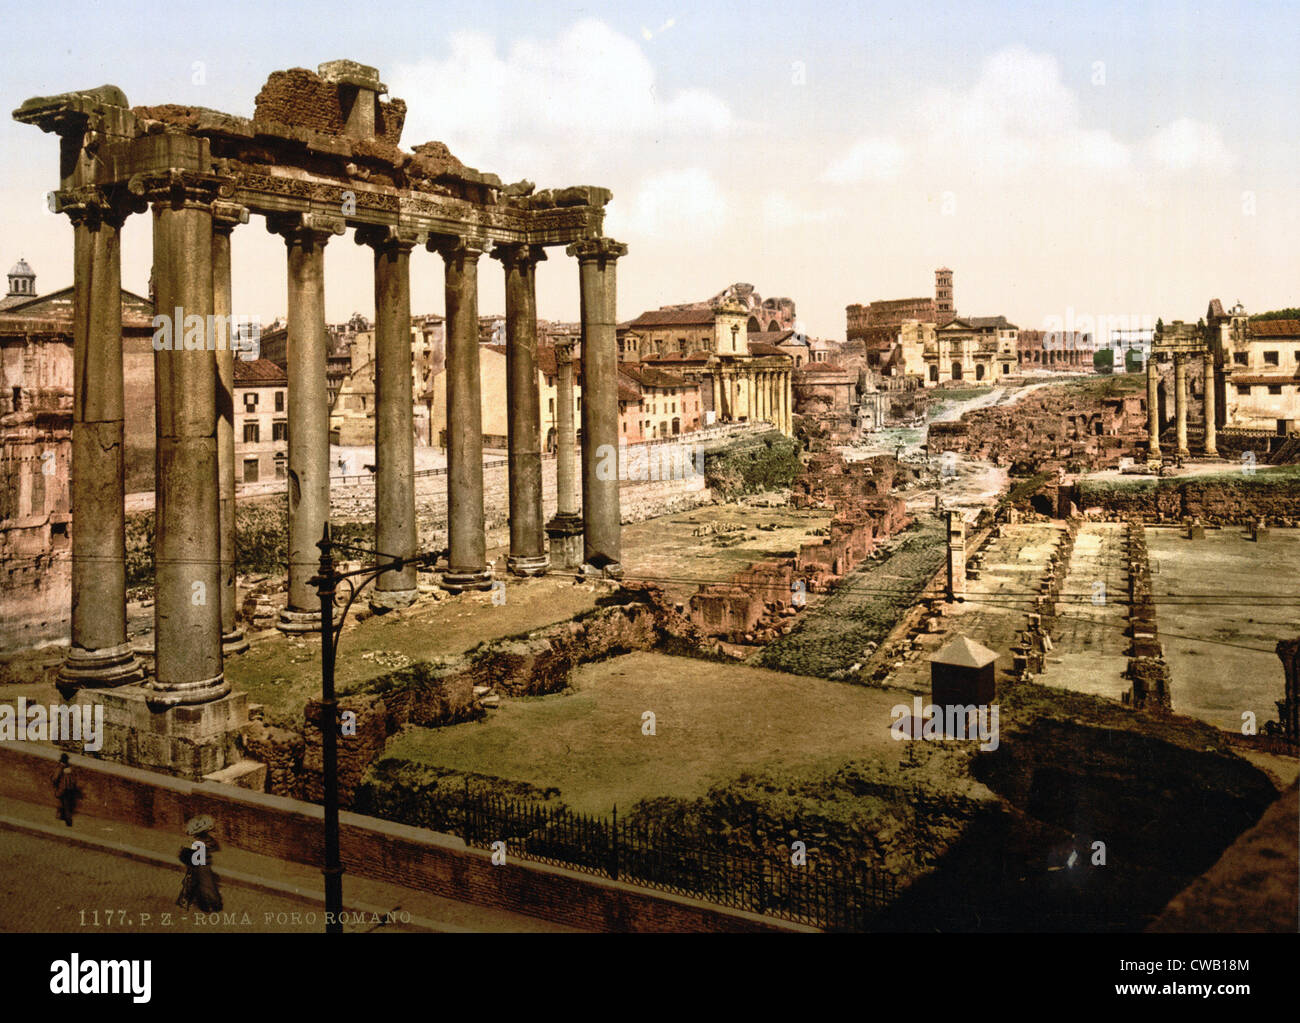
[{"x": 21, "y": 269}]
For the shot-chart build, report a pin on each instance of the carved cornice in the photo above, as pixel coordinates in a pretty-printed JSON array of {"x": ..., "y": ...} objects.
[
  {"x": 178, "y": 189},
  {"x": 459, "y": 247},
  {"x": 226, "y": 216},
  {"x": 514, "y": 255},
  {"x": 603, "y": 250},
  {"x": 305, "y": 228},
  {"x": 91, "y": 206},
  {"x": 390, "y": 236}
]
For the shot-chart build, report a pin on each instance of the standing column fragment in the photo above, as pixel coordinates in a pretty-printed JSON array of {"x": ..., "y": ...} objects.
[
  {"x": 1153, "y": 408},
  {"x": 565, "y": 529},
  {"x": 1180, "y": 401}
]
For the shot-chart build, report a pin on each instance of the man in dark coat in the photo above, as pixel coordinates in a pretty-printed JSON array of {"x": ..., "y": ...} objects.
[{"x": 65, "y": 790}]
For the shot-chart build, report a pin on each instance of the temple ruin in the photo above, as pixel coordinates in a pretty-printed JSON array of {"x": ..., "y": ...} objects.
[{"x": 320, "y": 156}]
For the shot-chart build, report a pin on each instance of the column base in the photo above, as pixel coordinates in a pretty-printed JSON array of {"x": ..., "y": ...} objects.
[
  {"x": 233, "y": 642},
  {"x": 186, "y": 694},
  {"x": 382, "y": 601},
  {"x": 610, "y": 570},
  {"x": 528, "y": 564},
  {"x": 186, "y": 742},
  {"x": 107, "y": 666},
  {"x": 296, "y": 622},
  {"x": 459, "y": 582},
  {"x": 565, "y": 535}
]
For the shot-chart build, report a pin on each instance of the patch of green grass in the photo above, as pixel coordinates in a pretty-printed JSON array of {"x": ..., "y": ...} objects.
[{"x": 712, "y": 722}]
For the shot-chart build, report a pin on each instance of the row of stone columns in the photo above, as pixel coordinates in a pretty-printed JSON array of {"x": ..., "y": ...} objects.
[
  {"x": 194, "y": 409},
  {"x": 1180, "y": 405},
  {"x": 766, "y": 395}
]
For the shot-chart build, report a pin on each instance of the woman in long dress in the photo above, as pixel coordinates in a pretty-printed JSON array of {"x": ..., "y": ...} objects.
[{"x": 200, "y": 883}]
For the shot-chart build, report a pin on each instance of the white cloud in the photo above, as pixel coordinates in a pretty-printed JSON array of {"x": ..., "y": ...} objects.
[
  {"x": 546, "y": 103},
  {"x": 1020, "y": 119},
  {"x": 780, "y": 213},
  {"x": 687, "y": 204},
  {"x": 1186, "y": 145},
  {"x": 870, "y": 159}
]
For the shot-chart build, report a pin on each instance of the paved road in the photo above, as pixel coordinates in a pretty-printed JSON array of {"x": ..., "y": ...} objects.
[{"x": 50, "y": 886}]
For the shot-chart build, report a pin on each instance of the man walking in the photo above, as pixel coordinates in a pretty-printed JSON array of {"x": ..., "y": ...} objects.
[{"x": 65, "y": 790}]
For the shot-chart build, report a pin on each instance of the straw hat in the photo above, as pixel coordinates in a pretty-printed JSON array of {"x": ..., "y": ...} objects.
[{"x": 198, "y": 825}]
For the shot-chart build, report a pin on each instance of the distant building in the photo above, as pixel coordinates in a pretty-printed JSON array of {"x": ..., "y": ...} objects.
[
  {"x": 261, "y": 421},
  {"x": 975, "y": 348}
]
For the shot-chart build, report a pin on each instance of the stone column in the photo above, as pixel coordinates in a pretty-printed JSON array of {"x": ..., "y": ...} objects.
[
  {"x": 600, "y": 470},
  {"x": 225, "y": 216},
  {"x": 467, "y": 562},
  {"x": 100, "y": 654},
  {"x": 565, "y": 529},
  {"x": 527, "y": 543},
  {"x": 715, "y": 386},
  {"x": 956, "y": 555},
  {"x": 1180, "y": 400},
  {"x": 187, "y": 547},
  {"x": 1153, "y": 408},
  {"x": 1211, "y": 428},
  {"x": 395, "y": 525},
  {"x": 307, "y": 353}
]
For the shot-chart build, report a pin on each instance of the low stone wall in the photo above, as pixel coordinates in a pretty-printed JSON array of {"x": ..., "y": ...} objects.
[
  {"x": 410, "y": 857},
  {"x": 1216, "y": 500}
]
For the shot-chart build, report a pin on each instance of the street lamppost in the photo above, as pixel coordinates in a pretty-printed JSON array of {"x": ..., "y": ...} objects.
[{"x": 327, "y": 582}]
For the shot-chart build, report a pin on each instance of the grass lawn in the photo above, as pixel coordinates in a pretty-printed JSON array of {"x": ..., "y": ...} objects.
[{"x": 712, "y": 723}]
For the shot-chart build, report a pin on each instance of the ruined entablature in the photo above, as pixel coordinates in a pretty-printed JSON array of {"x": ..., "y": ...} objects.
[{"x": 315, "y": 138}]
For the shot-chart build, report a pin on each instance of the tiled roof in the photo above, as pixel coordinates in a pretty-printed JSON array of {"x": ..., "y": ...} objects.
[
  {"x": 1275, "y": 328},
  {"x": 985, "y": 322},
  {"x": 259, "y": 373},
  {"x": 650, "y": 376},
  {"x": 1265, "y": 378},
  {"x": 775, "y": 337},
  {"x": 674, "y": 318}
]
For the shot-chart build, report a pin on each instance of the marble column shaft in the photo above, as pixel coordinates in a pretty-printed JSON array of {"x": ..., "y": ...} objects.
[
  {"x": 1180, "y": 400},
  {"x": 1153, "y": 406},
  {"x": 225, "y": 217},
  {"x": 602, "y": 522},
  {"x": 566, "y": 438},
  {"x": 307, "y": 354},
  {"x": 1211, "y": 427},
  {"x": 187, "y": 546},
  {"x": 523, "y": 407},
  {"x": 395, "y": 523},
  {"x": 466, "y": 539},
  {"x": 100, "y": 654}
]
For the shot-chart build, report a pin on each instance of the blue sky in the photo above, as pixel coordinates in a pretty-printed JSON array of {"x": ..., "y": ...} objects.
[{"x": 1101, "y": 158}]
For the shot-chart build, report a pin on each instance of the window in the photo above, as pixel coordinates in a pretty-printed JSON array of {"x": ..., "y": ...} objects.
[
  {"x": 250, "y": 470},
  {"x": 1239, "y": 358},
  {"x": 550, "y": 405},
  {"x": 279, "y": 401},
  {"x": 1270, "y": 358},
  {"x": 250, "y": 400},
  {"x": 279, "y": 431},
  {"x": 251, "y": 433},
  {"x": 1243, "y": 388},
  {"x": 1274, "y": 388}
]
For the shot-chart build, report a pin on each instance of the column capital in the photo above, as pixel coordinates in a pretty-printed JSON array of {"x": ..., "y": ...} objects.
[
  {"x": 226, "y": 216},
  {"x": 451, "y": 246},
  {"x": 516, "y": 254},
  {"x": 301, "y": 227},
  {"x": 564, "y": 353},
  {"x": 384, "y": 236},
  {"x": 91, "y": 205},
  {"x": 178, "y": 189},
  {"x": 602, "y": 249}
]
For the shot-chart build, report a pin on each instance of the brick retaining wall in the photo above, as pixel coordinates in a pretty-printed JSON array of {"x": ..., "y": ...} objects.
[{"x": 411, "y": 857}]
